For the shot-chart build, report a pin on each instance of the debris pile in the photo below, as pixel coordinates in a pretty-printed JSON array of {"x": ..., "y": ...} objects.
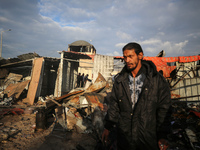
[
  {"x": 82, "y": 111},
  {"x": 14, "y": 87},
  {"x": 185, "y": 127}
]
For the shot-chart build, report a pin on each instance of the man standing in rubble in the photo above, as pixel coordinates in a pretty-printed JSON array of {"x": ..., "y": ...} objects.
[{"x": 139, "y": 103}]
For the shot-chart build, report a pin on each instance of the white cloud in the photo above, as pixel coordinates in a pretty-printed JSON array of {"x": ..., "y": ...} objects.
[
  {"x": 120, "y": 45},
  {"x": 153, "y": 46},
  {"x": 4, "y": 19},
  {"x": 49, "y": 25},
  {"x": 161, "y": 33},
  {"x": 150, "y": 42},
  {"x": 194, "y": 35},
  {"x": 115, "y": 53},
  {"x": 123, "y": 35}
]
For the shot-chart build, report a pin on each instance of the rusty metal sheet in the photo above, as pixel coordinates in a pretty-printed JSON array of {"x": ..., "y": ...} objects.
[
  {"x": 77, "y": 102},
  {"x": 16, "y": 89},
  {"x": 69, "y": 94},
  {"x": 65, "y": 98},
  {"x": 173, "y": 95},
  {"x": 74, "y": 102},
  {"x": 98, "y": 85},
  {"x": 94, "y": 99}
]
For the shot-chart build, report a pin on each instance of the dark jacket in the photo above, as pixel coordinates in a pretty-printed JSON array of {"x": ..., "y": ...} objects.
[{"x": 138, "y": 127}]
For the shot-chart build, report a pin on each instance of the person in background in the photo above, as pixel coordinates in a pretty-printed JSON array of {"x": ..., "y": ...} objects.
[
  {"x": 86, "y": 79},
  {"x": 78, "y": 80},
  {"x": 82, "y": 80},
  {"x": 139, "y": 104}
]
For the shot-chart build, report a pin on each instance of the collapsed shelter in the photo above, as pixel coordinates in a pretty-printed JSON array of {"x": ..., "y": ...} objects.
[{"x": 52, "y": 81}]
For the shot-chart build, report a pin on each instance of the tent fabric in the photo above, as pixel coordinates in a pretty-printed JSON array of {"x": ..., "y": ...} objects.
[
  {"x": 161, "y": 62},
  {"x": 184, "y": 59},
  {"x": 161, "y": 65},
  {"x": 169, "y": 59},
  {"x": 181, "y": 59}
]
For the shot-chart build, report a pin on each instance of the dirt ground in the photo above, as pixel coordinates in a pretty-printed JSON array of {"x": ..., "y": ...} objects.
[{"x": 18, "y": 132}]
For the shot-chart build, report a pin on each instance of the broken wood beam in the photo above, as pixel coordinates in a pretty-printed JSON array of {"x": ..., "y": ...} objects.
[{"x": 48, "y": 98}]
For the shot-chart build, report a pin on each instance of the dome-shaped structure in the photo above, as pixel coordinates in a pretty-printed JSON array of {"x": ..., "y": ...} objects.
[
  {"x": 80, "y": 43},
  {"x": 82, "y": 47}
]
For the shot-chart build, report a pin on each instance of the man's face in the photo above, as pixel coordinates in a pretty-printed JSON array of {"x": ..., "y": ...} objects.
[{"x": 132, "y": 59}]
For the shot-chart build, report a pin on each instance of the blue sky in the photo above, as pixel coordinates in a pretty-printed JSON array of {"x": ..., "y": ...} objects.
[{"x": 48, "y": 26}]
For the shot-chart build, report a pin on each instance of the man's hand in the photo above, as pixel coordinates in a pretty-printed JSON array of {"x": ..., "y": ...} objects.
[{"x": 105, "y": 137}]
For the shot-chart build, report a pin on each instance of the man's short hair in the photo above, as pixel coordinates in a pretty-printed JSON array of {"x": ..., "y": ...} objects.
[{"x": 134, "y": 46}]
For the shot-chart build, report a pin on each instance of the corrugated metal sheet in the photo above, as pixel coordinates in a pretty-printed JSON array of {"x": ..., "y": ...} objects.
[
  {"x": 187, "y": 89},
  {"x": 98, "y": 85},
  {"x": 67, "y": 76},
  {"x": 103, "y": 64},
  {"x": 94, "y": 99},
  {"x": 184, "y": 67},
  {"x": 67, "y": 72}
]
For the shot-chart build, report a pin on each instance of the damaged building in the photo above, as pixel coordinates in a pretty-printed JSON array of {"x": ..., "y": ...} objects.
[
  {"x": 81, "y": 58},
  {"x": 50, "y": 84},
  {"x": 55, "y": 76},
  {"x": 39, "y": 73}
]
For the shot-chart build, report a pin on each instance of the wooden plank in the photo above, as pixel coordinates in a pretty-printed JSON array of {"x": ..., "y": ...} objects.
[
  {"x": 35, "y": 78},
  {"x": 16, "y": 89},
  {"x": 12, "y": 77}
]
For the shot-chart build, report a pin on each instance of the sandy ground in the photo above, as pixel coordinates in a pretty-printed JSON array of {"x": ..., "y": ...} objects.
[{"x": 18, "y": 132}]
